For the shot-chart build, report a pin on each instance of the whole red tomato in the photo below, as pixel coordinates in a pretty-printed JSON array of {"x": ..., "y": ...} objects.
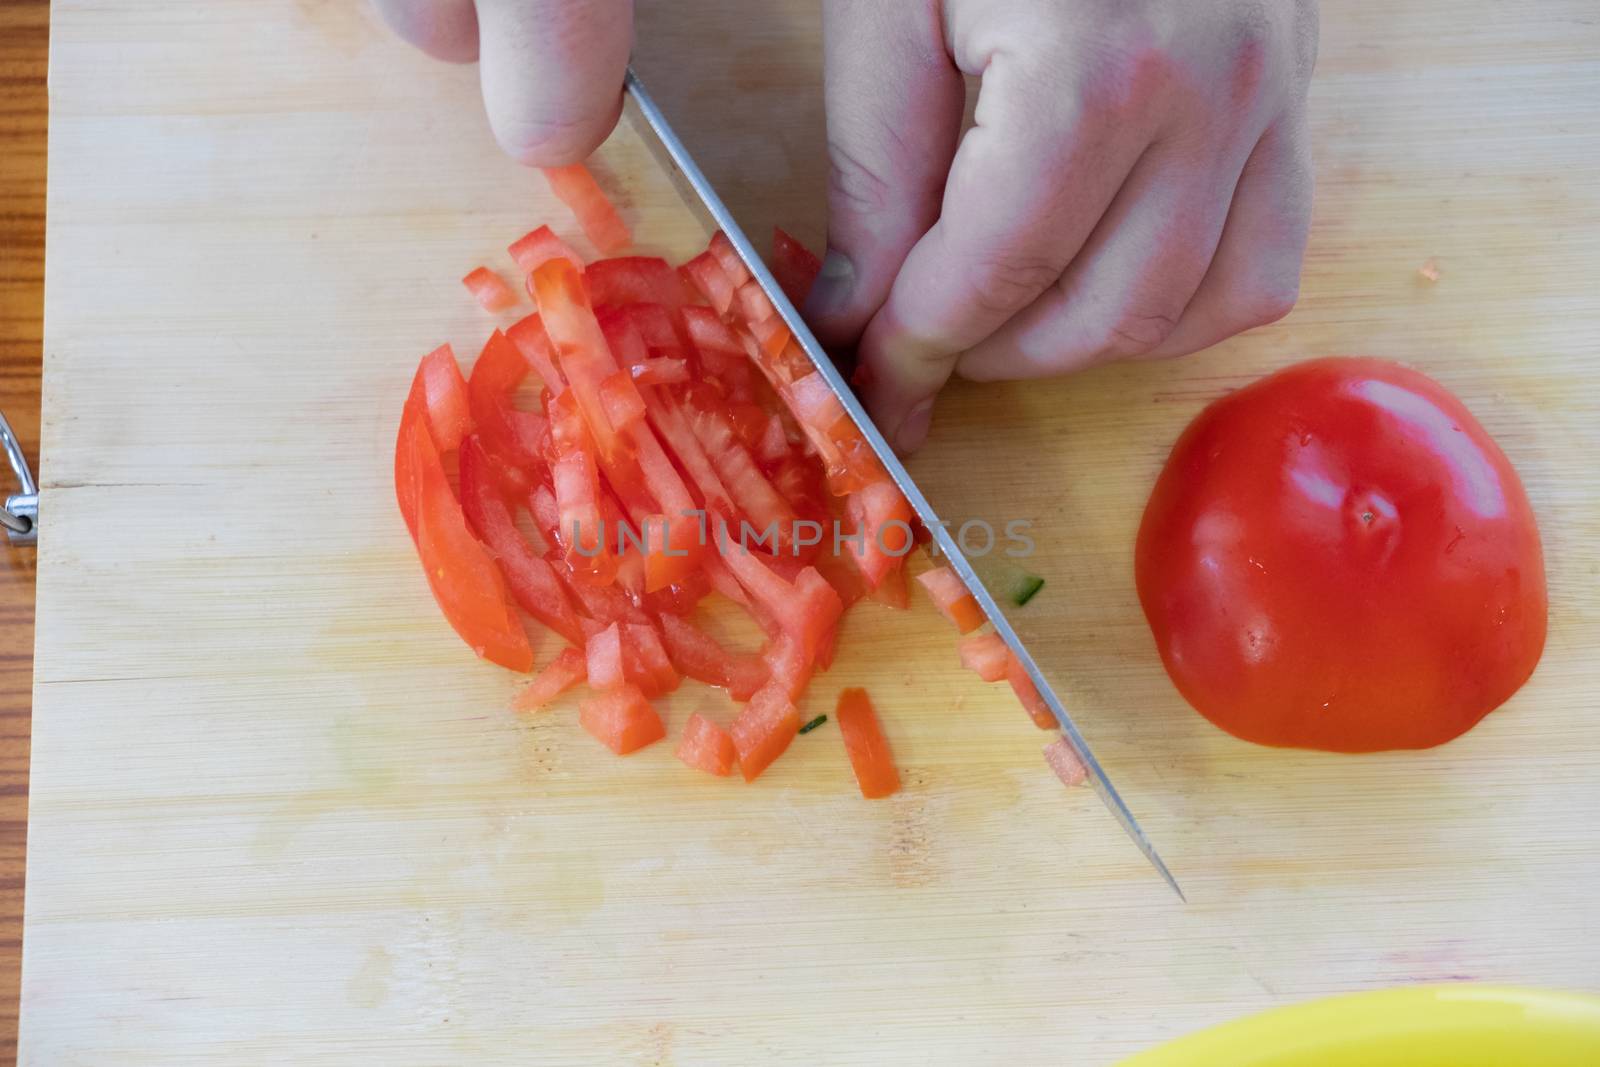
[{"x": 1339, "y": 557}]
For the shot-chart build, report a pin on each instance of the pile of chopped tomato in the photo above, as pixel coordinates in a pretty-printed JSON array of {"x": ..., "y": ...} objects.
[{"x": 682, "y": 444}]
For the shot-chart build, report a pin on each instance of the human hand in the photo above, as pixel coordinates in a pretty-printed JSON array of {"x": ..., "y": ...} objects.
[
  {"x": 1138, "y": 184},
  {"x": 551, "y": 69}
]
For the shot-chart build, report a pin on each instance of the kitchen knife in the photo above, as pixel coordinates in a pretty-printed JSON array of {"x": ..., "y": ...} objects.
[{"x": 699, "y": 192}]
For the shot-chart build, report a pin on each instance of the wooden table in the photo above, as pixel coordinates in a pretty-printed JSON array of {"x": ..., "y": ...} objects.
[
  {"x": 278, "y": 813},
  {"x": 24, "y": 47}
]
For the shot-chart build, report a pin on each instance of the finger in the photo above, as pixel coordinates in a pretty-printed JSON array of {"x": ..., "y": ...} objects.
[
  {"x": 1028, "y": 185},
  {"x": 894, "y": 103},
  {"x": 1255, "y": 277},
  {"x": 444, "y": 29},
  {"x": 1127, "y": 290},
  {"x": 552, "y": 74}
]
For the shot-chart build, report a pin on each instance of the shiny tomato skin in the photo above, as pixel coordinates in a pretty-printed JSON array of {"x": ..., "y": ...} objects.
[{"x": 1339, "y": 557}]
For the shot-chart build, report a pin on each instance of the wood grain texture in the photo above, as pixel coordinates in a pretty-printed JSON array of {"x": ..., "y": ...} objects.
[
  {"x": 24, "y": 51},
  {"x": 280, "y": 815}
]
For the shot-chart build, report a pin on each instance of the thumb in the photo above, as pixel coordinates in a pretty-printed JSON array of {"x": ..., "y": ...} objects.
[
  {"x": 552, "y": 74},
  {"x": 894, "y": 103}
]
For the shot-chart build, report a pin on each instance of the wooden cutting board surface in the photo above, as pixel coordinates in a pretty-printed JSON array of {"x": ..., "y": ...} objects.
[{"x": 280, "y": 815}]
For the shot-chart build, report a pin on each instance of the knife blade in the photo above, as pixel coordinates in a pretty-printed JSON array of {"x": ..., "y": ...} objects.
[{"x": 689, "y": 176}]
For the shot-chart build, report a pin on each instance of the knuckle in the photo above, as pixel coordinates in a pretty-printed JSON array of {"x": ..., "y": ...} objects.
[
  {"x": 1137, "y": 332},
  {"x": 1002, "y": 286},
  {"x": 854, "y": 184},
  {"x": 549, "y": 142},
  {"x": 1267, "y": 302}
]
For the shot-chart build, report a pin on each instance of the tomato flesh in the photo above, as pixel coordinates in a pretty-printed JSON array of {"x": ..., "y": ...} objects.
[
  {"x": 1340, "y": 557},
  {"x": 864, "y": 743}
]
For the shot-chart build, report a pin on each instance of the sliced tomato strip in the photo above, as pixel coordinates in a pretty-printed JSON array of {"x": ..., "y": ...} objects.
[
  {"x": 621, "y": 719},
  {"x": 620, "y": 397},
  {"x": 514, "y": 436},
  {"x": 864, "y": 743},
  {"x": 634, "y": 280},
  {"x": 580, "y": 345},
  {"x": 444, "y": 395},
  {"x": 698, "y": 655},
  {"x": 644, "y": 660},
  {"x": 881, "y": 524},
  {"x": 768, "y": 513},
  {"x": 661, "y": 371},
  {"x": 528, "y": 335},
  {"x": 534, "y": 248},
  {"x": 575, "y": 187},
  {"x": 489, "y": 289},
  {"x": 533, "y": 582},
  {"x": 710, "y": 335},
  {"x": 711, "y": 281},
  {"x": 463, "y": 576},
  {"x": 763, "y": 729},
  {"x": 559, "y": 675},
  {"x": 581, "y": 529},
  {"x": 794, "y": 265},
  {"x": 949, "y": 594},
  {"x": 707, "y": 747}
]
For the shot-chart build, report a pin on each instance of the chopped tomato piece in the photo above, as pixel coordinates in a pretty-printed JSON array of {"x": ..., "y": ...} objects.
[
  {"x": 682, "y": 596},
  {"x": 882, "y": 528},
  {"x": 774, "y": 443},
  {"x": 893, "y": 590},
  {"x": 514, "y": 436},
  {"x": 711, "y": 281},
  {"x": 644, "y": 660},
  {"x": 669, "y": 419},
  {"x": 789, "y": 665},
  {"x": 621, "y": 400},
  {"x": 751, "y": 302},
  {"x": 463, "y": 576},
  {"x": 707, "y": 747},
  {"x": 794, "y": 266},
  {"x": 1065, "y": 762},
  {"x": 580, "y": 345},
  {"x": 804, "y": 609},
  {"x": 1028, "y": 693},
  {"x": 534, "y": 584},
  {"x": 987, "y": 654},
  {"x": 671, "y": 549},
  {"x": 697, "y": 654},
  {"x": 581, "y": 529},
  {"x": 865, "y": 745},
  {"x": 559, "y": 675},
  {"x": 763, "y": 730},
  {"x": 661, "y": 371},
  {"x": 489, "y": 289},
  {"x": 711, "y": 337},
  {"x": 728, "y": 256},
  {"x": 532, "y": 249},
  {"x": 659, "y": 329},
  {"x": 444, "y": 394},
  {"x": 576, "y": 187},
  {"x": 634, "y": 280},
  {"x": 621, "y": 719},
  {"x": 603, "y": 659},
  {"x": 949, "y": 593},
  {"x": 754, "y": 496},
  {"x": 528, "y": 335}
]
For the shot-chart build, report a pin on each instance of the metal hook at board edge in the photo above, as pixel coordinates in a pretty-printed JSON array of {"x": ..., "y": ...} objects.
[{"x": 20, "y": 516}]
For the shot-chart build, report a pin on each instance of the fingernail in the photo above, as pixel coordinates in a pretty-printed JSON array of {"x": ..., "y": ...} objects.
[
  {"x": 831, "y": 291},
  {"x": 914, "y": 428}
]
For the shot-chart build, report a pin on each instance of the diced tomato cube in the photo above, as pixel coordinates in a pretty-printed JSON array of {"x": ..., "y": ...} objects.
[
  {"x": 986, "y": 654},
  {"x": 644, "y": 660},
  {"x": 722, "y": 247},
  {"x": 1028, "y": 694},
  {"x": 864, "y": 743},
  {"x": 751, "y": 302},
  {"x": 763, "y": 729},
  {"x": 603, "y": 659},
  {"x": 489, "y": 289},
  {"x": 949, "y": 593},
  {"x": 559, "y": 675},
  {"x": 794, "y": 266},
  {"x": 709, "y": 334},
  {"x": 532, "y": 249},
  {"x": 711, "y": 281},
  {"x": 882, "y": 528},
  {"x": 1065, "y": 762},
  {"x": 621, "y": 719},
  {"x": 575, "y": 186},
  {"x": 707, "y": 747}
]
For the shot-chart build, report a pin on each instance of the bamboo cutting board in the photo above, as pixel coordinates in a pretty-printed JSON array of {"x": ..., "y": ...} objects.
[{"x": 280, "y": 815}]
